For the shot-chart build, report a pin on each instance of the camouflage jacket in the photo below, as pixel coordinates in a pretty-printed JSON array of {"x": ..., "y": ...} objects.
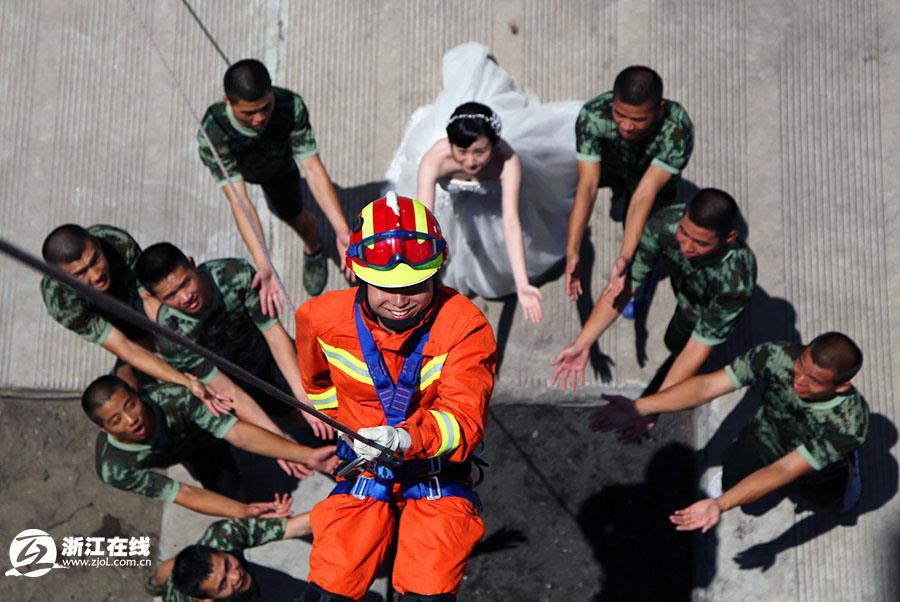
[
  {"x": 257, "y": 156},
  {"x": 231, "y": 326},
  {"x": 83, "y": 317},
  {"x": 624, "y": 162},
  {"x": 232, "y": 535},
  {"x": 712, "y": 291},
  {"x": 824, "y": 432},
  {"x": 183, "y": 424}
]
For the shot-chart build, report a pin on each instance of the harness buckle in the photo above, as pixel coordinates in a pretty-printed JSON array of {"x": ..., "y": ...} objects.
[
  {"x": 433, "y": 466},
  {"x": 360, "y": 487},
  {"x": 433, "y": 487}
]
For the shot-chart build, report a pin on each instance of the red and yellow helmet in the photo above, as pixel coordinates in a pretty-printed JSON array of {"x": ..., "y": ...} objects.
[{"x": 396, "y": 241}]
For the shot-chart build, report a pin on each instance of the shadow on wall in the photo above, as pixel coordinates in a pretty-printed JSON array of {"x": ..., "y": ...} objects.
[
  {"x": 642, "y": 556},
  {"x": 879, "y": 474}
]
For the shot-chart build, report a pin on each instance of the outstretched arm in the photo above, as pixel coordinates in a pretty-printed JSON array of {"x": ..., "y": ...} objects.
[
  {"x": 687, "y": 363},
  {"x": 149, "y": 363},
  {"x": 250, "y": 227},
  {"x": 323, "y": 192},
  {"x": 429, "y": 172},
  {"x": 579, "y": 216},
  {"x": 705, "y": 514},
  {"x": 285, "y": 355},
  {"x": 258, "y": 441},
  {"x": 214, "y": 504},
  {"x": 297, "y": 526},
  {"x": 639, "y": 208},
  {"x": 511, "y": 184},
  {"x": 691, "y": 393},
  {"x": 622, "y": 414}
]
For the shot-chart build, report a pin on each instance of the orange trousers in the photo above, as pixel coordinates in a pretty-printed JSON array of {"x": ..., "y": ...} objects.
[{"x": 351, "y": 538}]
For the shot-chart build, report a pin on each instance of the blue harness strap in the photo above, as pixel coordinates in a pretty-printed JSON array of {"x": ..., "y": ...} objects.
[
  {"x": 418, "y": 478},
  {"x": 431, "y": 488},
  {"x": 394, "y": 398}
]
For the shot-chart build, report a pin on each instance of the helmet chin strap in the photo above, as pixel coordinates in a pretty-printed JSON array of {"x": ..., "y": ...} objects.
[{"x": 403, "y": 324}]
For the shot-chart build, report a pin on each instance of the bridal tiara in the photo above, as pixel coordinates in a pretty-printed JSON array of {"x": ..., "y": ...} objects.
[{"x": 493, "y": 120}]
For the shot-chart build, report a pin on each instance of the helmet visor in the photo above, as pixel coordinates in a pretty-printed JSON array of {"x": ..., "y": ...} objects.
[{"x": 385, "y": 250}]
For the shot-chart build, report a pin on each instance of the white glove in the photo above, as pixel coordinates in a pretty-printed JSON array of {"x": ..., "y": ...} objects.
[{"x": 392, "y": 438}]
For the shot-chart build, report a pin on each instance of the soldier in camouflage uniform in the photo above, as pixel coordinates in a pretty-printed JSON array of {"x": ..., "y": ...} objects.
[
  {"x": 215, "y": 567},
  {"x": 164, "y": 425},
  {"x": 259, "y": 131},
  {"x": 103, "y": 257},
  {"x": 713, "y": 275},
  {"x": 802, "y": 440},
  {"x": 636, "y": 142},
  {"x": 216, "y": 306}
]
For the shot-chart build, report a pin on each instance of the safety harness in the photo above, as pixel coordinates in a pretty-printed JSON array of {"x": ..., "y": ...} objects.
[{"x": 417, "y": 478}]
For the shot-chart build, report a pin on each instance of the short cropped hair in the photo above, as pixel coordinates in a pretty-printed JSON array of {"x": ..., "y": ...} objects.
[
  {"x": 713, "y": 209},
  {"x": 471, "y": 120},
  {"x": 638, "y": 85},
  {"x": 836, "y": 352},
  {"x": 158, "y": 261},
  {"x": 248, "y": 80},
  {"x": 65, "y": 244},
  {"x": 193, "y": 565},
  {"x": 99, "y": 392}
]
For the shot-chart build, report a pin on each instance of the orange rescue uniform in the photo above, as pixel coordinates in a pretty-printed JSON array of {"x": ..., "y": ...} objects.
[{"x": 446, "y": 418}]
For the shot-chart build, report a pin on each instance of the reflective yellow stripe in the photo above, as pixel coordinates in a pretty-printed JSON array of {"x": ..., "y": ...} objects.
[
  {"x": 421, "y": 218},
  {"x": 368, "y": 227},
  {"x": 346, "y": 362},
  {"x": 431, "y": 371},
  {"x": 327, "y": 400},
  {"x": 449, "y": 428}
]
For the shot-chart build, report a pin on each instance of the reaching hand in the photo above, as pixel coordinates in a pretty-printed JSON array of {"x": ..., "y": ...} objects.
[
  {"x": 640, "y": 429},
  {"x": 269, "y": 292},
  {"x": 616, "y": 283},
  {"x": 319, "y": 428},
  {"x": 279, "y": 508},
  {"x": 570, "y": 365},
  {"x": 215, "y": 403},
  {"x": 699, "y": 515},
  {"x": 619, "y": 414},
  {"x": 573, "y": 277},
  {"x": 323, "y": 459},
  {"x": 530, "y": 299},
  {"x": 342, "y": 242},
  {"x": 295, "y": 469}
]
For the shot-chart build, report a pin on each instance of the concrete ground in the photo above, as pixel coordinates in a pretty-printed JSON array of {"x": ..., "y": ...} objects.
[{"x": 793, "y": 105}]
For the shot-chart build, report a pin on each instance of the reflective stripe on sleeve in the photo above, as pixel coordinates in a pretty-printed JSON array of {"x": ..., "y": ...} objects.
[
  {"x": 326, "y": 400},
  {"x": 346, "y": 362},
  {"x": 431, "y": 371},
  {"x": 449, "y": 427}
]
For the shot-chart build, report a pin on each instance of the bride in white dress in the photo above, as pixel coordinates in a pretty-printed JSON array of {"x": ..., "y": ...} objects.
[{"x": 502, "y": 203}]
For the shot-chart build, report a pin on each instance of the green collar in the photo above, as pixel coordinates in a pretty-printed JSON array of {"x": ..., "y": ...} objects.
[
  {"x": 132, "y": 447},
  {"x": 824, "y": 405},
  {"x": 250, "y": 133}
]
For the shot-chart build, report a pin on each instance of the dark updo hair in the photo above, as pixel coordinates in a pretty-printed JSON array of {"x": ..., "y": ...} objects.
[{"x": 470, "y": 121}]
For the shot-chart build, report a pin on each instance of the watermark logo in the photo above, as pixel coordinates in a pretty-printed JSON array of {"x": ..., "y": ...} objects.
[{"x": 32, "y": 554}]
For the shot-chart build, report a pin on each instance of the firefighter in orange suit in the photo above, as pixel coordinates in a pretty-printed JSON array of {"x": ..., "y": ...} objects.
[{"x": 409, "y": 364}]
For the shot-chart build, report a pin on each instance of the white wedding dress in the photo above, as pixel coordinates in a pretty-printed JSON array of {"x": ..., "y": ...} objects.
[{"x": 543, "y": 136}]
